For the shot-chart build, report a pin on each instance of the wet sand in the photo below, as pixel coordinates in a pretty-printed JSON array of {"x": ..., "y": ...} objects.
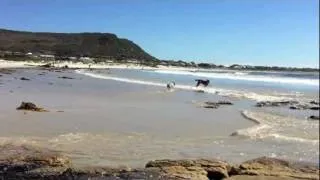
[{"x": 113, "y": 123}]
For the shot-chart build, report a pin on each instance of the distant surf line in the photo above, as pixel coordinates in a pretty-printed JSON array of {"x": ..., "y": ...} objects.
[
  {"x": 211, "y": 90},
  {"x": 244, "y": 77}
]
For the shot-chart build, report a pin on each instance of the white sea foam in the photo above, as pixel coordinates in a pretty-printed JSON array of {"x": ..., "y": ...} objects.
[
  {"x": 253, "y": 132},
  {"x": 69, "y": 138},
  {"x": 245, "y": 77},
  {"x": 222, "y": 92},
  {"x": 271, "y": 126},
  {"x": 240, "y": 73},
  {"x": 20, "y": 140},
  {"x": 294, "y": 139}
]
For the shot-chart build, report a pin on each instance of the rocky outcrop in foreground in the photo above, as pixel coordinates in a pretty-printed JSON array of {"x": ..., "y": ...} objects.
[{"x": 25, "y": 162}]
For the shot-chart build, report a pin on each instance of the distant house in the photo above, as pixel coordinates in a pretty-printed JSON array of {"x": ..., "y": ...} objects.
[
  {"x": 7, "y": 52},
  {"x": 32, "y": 55},
  {"x": 163, "y": 63},
  {"x": 132, "y": 61},
  {"x": 86, "y": 60},
  {"x": 206, "y": 65},
  {"x": 249, "y": 66},
  {"x": 193, "y": 64},
  {"x": 181, "y": 63},
  {"x": 236, "y": 66},
  {"x": 47, "y": 57},
  {"x": 18, "y": 54},
  {"x": 72, "y": 58}
]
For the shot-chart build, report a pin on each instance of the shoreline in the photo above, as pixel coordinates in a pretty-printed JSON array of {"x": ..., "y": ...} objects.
[{"x": 81, "y": 65}]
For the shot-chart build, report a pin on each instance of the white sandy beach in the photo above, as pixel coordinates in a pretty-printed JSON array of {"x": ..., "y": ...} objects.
[{"x": 28, "y": 64}]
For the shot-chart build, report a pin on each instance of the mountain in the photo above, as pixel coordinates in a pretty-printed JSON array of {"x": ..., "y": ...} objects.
[{"x": 72, "y": 44}]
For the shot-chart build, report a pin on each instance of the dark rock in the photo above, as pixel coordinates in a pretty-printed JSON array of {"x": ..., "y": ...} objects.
[
  {"x": 304, "y": 107},
  {"x": 24, "y": 79},
  {"x": 106, "y": 173},
  {"x": 23, "y": 158},
  {"x": 225, "y": 103},
  {"x": 17, "y": 161},
  {"x": 50, "y": 83},
  {"x": 65, "y": 77},
  {"x": 181, "y": 172},
  {"x": 299, "y": 107},
  {"x": 314, "y": 117},
  {"x": 211, "y": 106},
  {"x": 294, "y": 107},
  {"x": 168, "y": 162},
  {"x": 275, "y": 103},
  {"x": 48, "y": 65},
  {"x": 213, "y": 169},
  {"x": 25, "y": 162},
  {"x": 211, "y": 103},
  {"x": 30, "y": 107},
  {"x": 314, "y": 108},
  {"x": 249, "y": 177},
  {"x": 215, "y": 105},
  {"x": 266, "y": 166},
  {"x": 287, "y": 102},
  {"x": 199, "y": 91},
  {"x": 263, "y": 103},
  {"x": 314, "y": 102}
]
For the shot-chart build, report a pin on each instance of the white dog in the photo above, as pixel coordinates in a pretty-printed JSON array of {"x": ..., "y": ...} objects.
[{"x": 171, "y": 85}]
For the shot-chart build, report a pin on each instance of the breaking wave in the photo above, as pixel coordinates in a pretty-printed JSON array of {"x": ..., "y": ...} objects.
[
  {"x": 245, "y": 77},
  {"x": 211, "y": 90}
]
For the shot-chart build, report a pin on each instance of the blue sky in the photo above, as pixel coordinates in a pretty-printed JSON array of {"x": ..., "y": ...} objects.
[{"x": 256, "y": 32}]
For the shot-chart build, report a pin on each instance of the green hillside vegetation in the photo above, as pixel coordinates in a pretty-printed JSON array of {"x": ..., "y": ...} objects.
[{"x": 72, "y": 44}]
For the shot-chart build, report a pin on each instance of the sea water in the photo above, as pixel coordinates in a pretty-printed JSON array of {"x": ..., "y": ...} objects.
[{"x": 128, "y": 117}]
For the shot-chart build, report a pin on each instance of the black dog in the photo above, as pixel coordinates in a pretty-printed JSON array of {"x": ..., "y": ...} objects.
[{"x": 205, "y": 83}]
